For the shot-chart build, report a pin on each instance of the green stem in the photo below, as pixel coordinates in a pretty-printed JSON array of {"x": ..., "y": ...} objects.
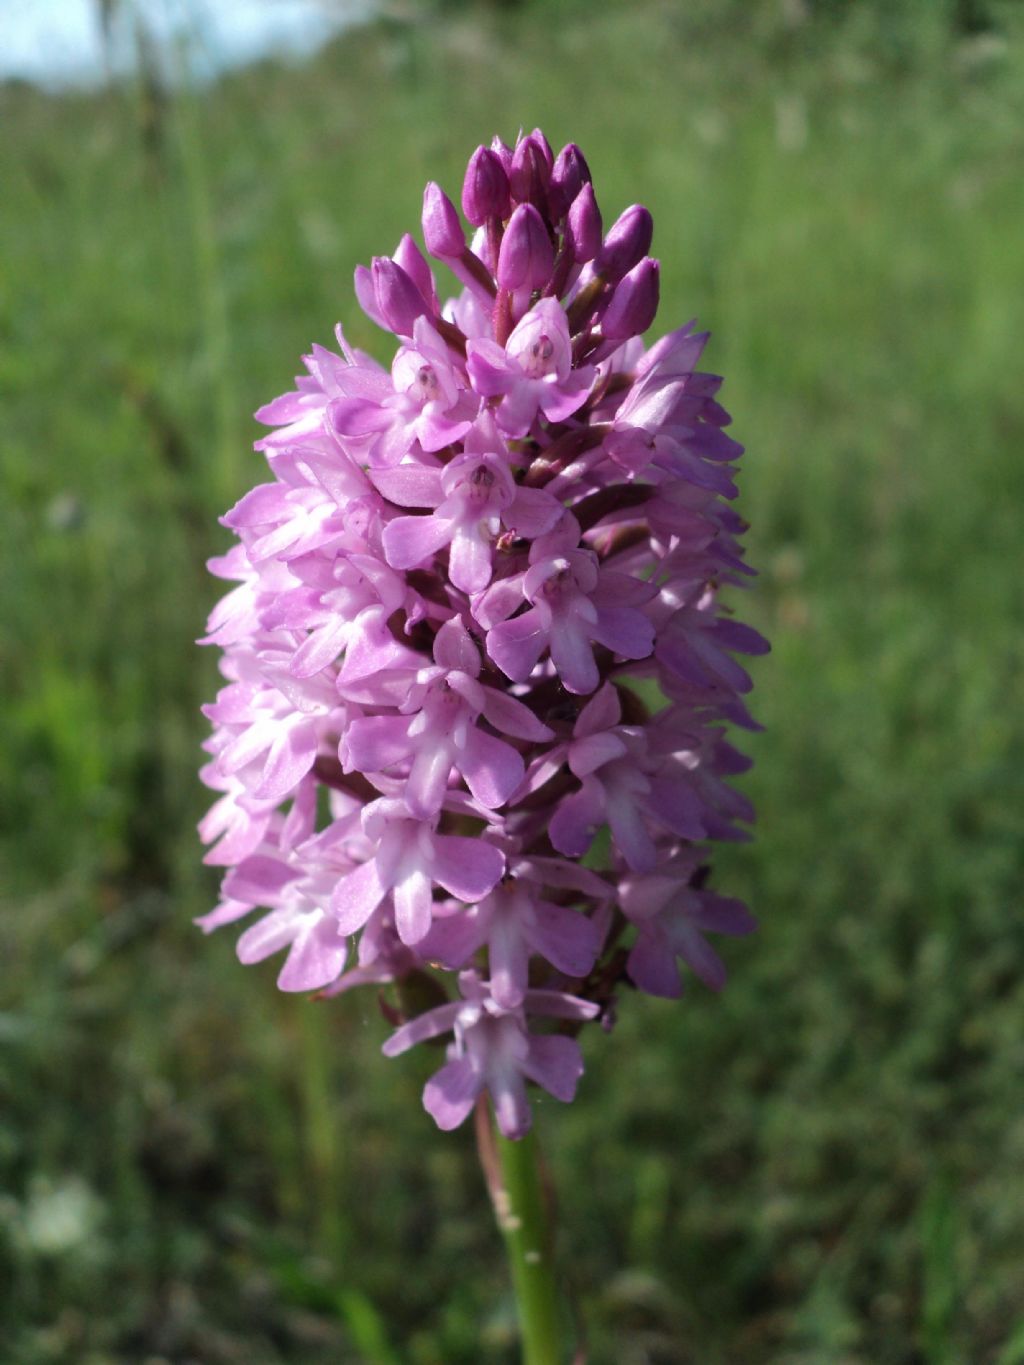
[{"x": 513, "y": 1176}]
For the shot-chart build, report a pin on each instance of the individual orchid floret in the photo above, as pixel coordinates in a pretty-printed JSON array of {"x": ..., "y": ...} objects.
[
  {"x": 672, "y": 917},
  {"x": 424, "y": 406},
  {"x": 516, "y": 922},
  {"x": 573, "y": 605},
  {"x": 533, "y": 373},
  {"x": 526, "y": 256},
  {"x": 471, "y": 498},
  {"x": 493, "y": 1051},
  {"x": 436, "y": 733},
  {"x": 408, "y": 857}
]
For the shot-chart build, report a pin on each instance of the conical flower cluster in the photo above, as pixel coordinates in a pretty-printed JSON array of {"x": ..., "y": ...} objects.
[{"x": 478, "y": 674}]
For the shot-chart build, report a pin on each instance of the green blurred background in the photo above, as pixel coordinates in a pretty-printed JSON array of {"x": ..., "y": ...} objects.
[{"x": 826, "y": 1164}]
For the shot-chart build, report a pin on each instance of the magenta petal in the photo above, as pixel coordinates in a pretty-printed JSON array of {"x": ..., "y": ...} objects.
[
  {"x": 512, "y": 717},
  {"x": 468, "y": 868},
  {"x": 652, "y": 965},
  {"x": 625, "y": 631},
  {"x": 357, "y": 895},
  {"x": 449, "y": 1096},
  {"x": 532, "y": 513},
  {"x": 567, "y": 939},
  {"x": 576, "y": 820},
  {"x": 699, "y": 955},
  {"x": 601, "y": 712},
  {"x": 573, "y": 657},
  {"x": 509, "y": 961},
  {"x": 492, "y": 769},
  {"x": 555, "y": 1063},
  {"x": 631, "y": 835},
  {"x": 516, "y": 645},
  {"x": 592, "y": 752}
]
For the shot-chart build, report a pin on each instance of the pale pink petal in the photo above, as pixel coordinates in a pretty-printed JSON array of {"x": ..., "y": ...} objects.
[
  {"x": 357, "y": 895},
  {"x": 449, "y": 1096},
  {"x": 516, "y": 645},
  {"x": 320, "y": 648},
  {"x": 468, "y": 868},
  {"x": 573, "y": 656},
  {"x": 555, "y": 1063},
  {"x": 272, "y": 933},
  {"x": 290, "y": 758},
  {"x": 427, "y": 782},
  {"x": 316, "y": 959},
  {"x": 511, "y": 1107},
  {"x": 373, "y": 743},
  {"x": 566, "y": 938},
  {"x": 469, "y": 565},
  {"x": 412, "y": 899},
  {"x": 492, "y": 769},
  {"x": 513, "y": 717},
  {"x": 409, "y": 541}
]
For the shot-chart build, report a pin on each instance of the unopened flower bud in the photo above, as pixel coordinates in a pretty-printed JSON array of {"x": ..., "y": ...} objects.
[
  {"x": 530, "y": 173},
  {"x": 399, "y": 301},
  {"x": 503, "y": 152},
  {"x": 628, "y": 241},
  {"x": 414, "y": 263},
  {"x": 568, "y": 176},
  {"x": 583, "y": 226},
  {"x": 526, "y": 257},
  {"x": 634, "y": 302},
  {"x": 442, "y": 228},
  {"x": 485, "y": 190},
  {"x": 544, "y": 147}
]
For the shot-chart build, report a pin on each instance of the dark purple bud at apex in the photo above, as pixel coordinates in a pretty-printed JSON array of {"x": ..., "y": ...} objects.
[
  {"x": 526, "y": 257},
  {"x": 530, "y": 174},
  {"x": 442, "y": 228},
  {"x": 632, "y": 307},
  {"x": 399, "y": 301},
  {"x": 628, "y": 241},
  {"x": 503, "y": 152},
  {"x": 583, "y": 226},
  {"x": 543, "y": 146},
  {"x": 485, "y": 191},
  {"x": 568, "y": 176}
]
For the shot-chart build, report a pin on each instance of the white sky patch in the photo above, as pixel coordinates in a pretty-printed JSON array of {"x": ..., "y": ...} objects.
[{"x": 60, "y": 42}]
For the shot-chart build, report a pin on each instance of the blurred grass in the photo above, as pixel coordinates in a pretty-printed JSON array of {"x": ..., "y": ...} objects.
[{"x": 821, "y": 1166}]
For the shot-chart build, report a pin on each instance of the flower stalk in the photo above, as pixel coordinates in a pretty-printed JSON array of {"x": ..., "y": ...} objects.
[{"x": 513, "y": 1171}]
